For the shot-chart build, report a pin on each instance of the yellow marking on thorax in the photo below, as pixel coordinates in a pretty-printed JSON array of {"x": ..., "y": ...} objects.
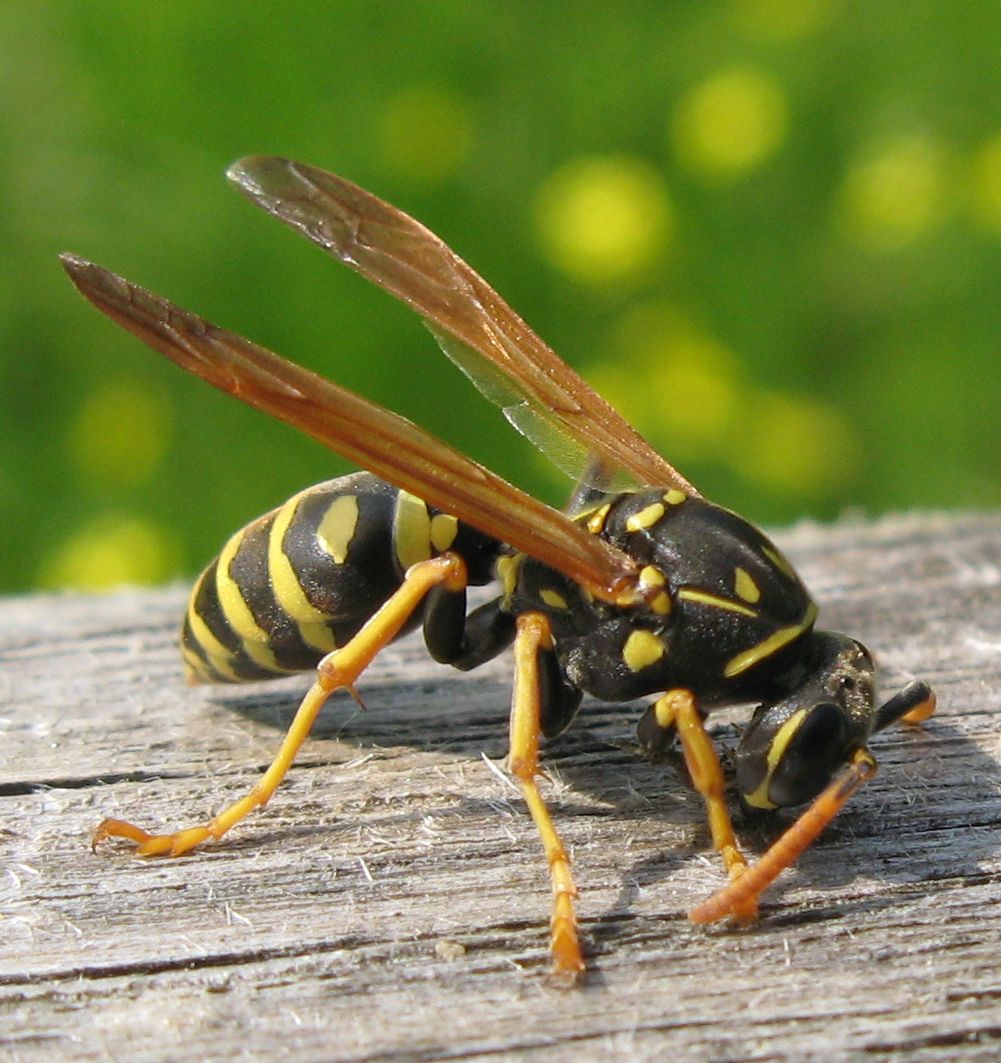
[
  {"x": 337, "y": 528},
  {"x": 775, "y": 642},
  {"x": 674, "y": 497},
  {"x": 776, "y": 751},
  {"x": 693, "y": 594},
  {"x": 646, "y": 518},
  {"x": 665, "y": 713},
  {"x": 237, "y": 613},
  {"x": 411, "y": 530},
  {"x": 650, "y": 576},
  {"x": 744, "y": 585},
  {"x": 780, "y": 561},
  {"x": 642, "y": 649},
  {"x": 507, "y": 572},
  {"x": 288, "y": 592},
  {"x": 596, "y": 521},
  {"x": 553, "y": 599},
  {"x": 661, "y": 604},
  {"x": 444, "y": 529}
]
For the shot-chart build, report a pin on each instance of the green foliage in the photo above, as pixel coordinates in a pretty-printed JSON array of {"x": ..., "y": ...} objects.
[{"x": 769, "y": 230}]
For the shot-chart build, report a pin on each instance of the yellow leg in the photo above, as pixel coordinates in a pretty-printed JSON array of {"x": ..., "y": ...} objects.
[
  {"x": 534, "y": 634},
  {"x": 677, "y": 709},
  {"x": 790, "y": 846},
  {"x": 338, "y": 669}
]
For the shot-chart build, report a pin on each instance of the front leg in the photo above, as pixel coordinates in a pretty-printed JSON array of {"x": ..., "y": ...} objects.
[
  {"x": 790, "y": 846},
  {"x": 677, "y": 711}
]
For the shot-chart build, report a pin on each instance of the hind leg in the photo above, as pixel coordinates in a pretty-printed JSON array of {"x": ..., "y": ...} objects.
[{"x": 338, "y": 669}]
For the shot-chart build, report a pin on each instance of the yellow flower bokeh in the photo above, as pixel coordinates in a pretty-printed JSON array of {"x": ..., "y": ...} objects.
[
  {"x": 112, "y": 550},
  {"x": 897, "y": 193},
  {"x": 604, "y": 219},
  {"x": 729, "y": 124},
  {"x": 119, "y": 433}
]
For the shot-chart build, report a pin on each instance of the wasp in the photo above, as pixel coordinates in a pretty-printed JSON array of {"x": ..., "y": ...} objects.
[{"x": 640, "y": 587}]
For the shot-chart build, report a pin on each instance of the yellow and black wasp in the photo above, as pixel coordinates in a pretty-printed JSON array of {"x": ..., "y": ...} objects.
[{"x": 641, "y": 587}]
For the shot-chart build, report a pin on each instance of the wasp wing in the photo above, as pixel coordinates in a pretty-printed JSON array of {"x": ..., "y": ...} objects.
[
  {"x": 535, "y": 421},
  {"x": 538, "y": 392},
  {"x": 383, "y": 442}
]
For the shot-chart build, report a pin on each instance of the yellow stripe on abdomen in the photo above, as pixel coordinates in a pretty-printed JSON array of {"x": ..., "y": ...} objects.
[
  {"x": 337, "y": 527},
  {"x": 288, "y": 592},
  {"x": 219, "y": 657},
  {"x": 411, "y": 530},
  {"x": 253, "y": 638}
]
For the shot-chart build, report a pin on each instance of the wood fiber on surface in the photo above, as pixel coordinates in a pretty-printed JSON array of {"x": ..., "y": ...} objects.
[{"x": 392, "y": 901}]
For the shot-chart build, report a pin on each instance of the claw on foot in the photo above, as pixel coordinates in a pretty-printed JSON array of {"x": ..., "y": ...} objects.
[{"x": 150, "y": 844}]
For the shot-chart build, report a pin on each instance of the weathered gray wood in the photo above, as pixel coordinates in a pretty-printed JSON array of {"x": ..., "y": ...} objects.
[{"x": 392, "y": 902}]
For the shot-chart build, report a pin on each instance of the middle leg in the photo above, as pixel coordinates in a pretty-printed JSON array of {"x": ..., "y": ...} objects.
[{"x": 533, "y": 638}]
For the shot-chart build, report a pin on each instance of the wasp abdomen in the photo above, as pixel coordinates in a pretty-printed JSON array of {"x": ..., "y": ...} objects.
[{"x": 301, "y": 580}]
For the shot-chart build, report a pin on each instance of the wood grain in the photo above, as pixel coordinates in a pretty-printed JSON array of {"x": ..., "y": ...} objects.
[{"x": 391, "y": 903}]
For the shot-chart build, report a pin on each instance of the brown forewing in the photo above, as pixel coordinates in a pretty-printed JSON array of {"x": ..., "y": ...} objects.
[
  {"x": 399, "y": 254},
  {"x": 382, "y": 442}
]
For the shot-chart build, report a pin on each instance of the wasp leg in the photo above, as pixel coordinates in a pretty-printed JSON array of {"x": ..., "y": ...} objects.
[
  {"x": 787, "y": 850},
  {"x": 657, "y": 742},
  {"x": 341, "y": 668},
  {"x": 534, "y": 637},
  {"x": 464, "y": 640},
  {"x": 677, "y": 710}
]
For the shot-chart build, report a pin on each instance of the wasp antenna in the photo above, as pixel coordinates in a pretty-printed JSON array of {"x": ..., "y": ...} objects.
[{"x": 914, "y": 704}]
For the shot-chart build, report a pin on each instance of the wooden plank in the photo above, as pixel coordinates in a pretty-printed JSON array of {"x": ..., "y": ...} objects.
[{"x": 391, "y": 903}]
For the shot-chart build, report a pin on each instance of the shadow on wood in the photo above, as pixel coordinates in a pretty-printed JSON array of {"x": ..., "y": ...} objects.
[{"x": 391, "y": 902}]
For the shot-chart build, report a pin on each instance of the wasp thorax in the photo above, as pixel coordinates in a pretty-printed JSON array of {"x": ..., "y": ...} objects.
[{"x": 793, "y": 747}]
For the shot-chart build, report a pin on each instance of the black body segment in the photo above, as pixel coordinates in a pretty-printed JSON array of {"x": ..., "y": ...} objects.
[
  {"x": 730, "y": 621},
  {"x": 300, "y": 581},
  {"x": 295, "y": 584}
]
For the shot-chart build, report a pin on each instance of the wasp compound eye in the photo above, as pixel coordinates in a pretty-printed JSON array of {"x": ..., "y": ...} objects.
[
  {"x": 786, "y": 758},
  {"x": 810, "y": 757}
]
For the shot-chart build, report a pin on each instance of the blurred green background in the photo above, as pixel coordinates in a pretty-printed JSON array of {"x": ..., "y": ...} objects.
[{"x": 768, "y": 230}]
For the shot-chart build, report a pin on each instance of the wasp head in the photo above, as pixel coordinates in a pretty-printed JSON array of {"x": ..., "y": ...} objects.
[{"x": 793, "y": 746}]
